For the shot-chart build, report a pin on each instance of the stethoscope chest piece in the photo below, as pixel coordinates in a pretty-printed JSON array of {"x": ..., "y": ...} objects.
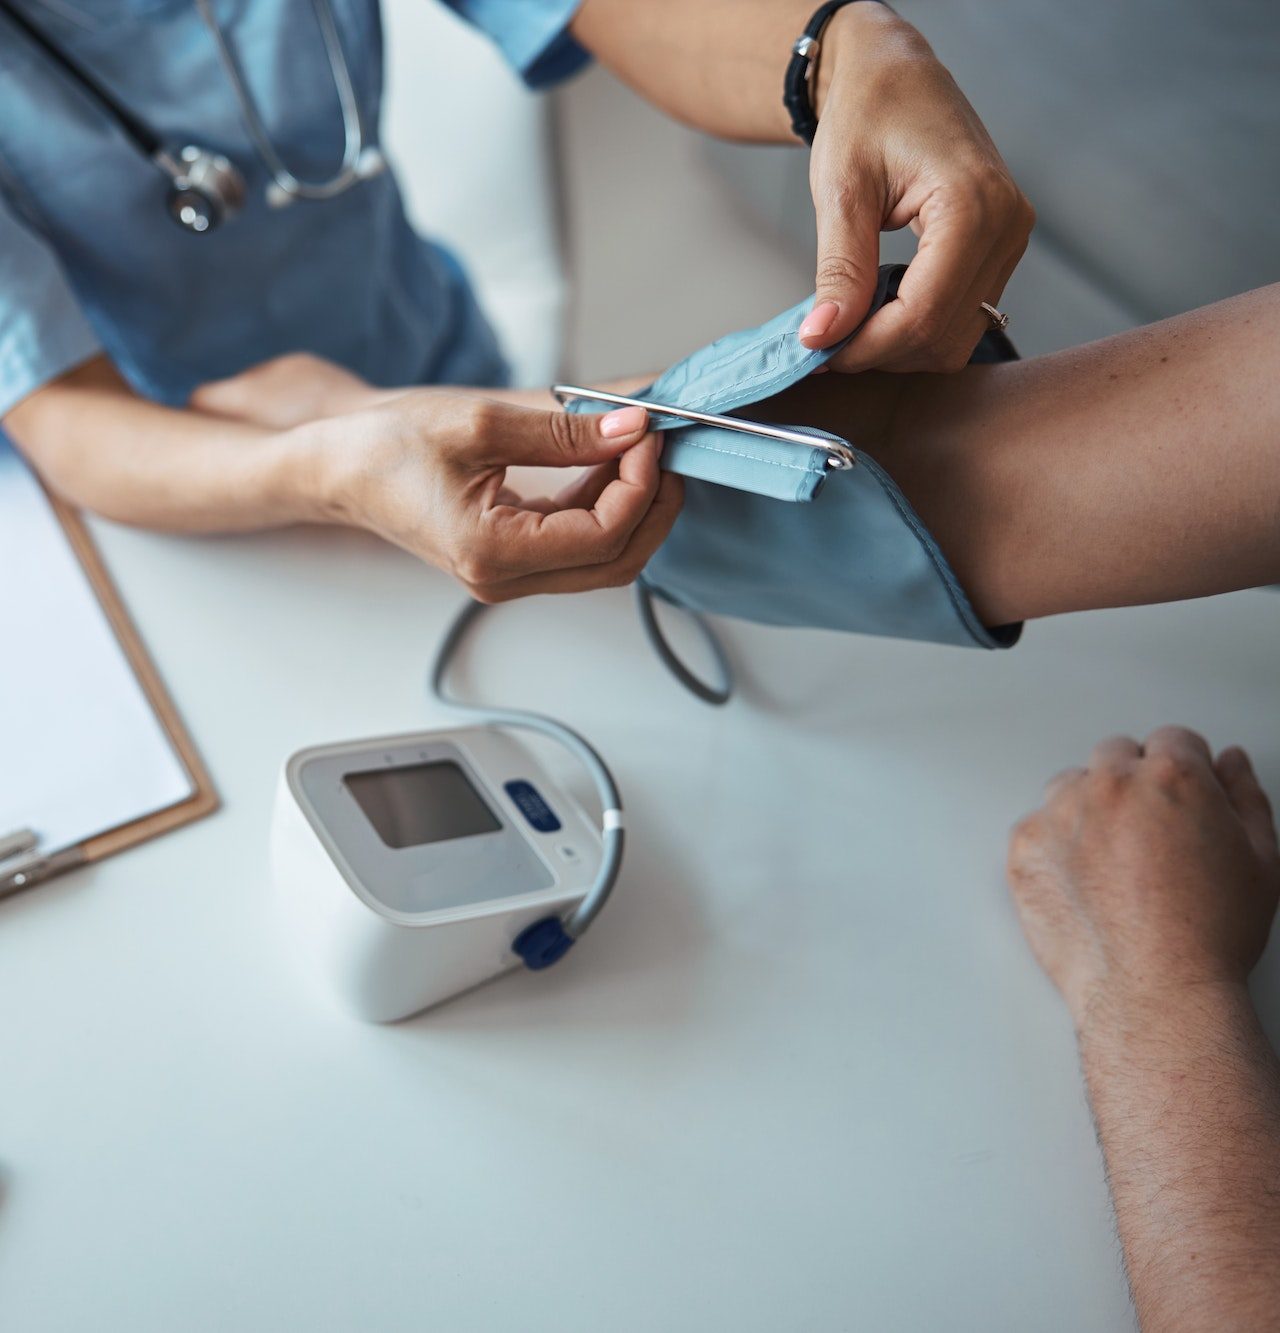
[{"x": 207, "y": 190}]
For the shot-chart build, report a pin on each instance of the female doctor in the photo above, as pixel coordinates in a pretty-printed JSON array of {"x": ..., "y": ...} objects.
[{"x": 191, "y": 191}]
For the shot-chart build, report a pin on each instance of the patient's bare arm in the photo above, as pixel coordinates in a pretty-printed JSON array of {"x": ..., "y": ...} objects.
[
  {"x": 1143, "y": 468},
  {"x": 1146, "y": 885}
]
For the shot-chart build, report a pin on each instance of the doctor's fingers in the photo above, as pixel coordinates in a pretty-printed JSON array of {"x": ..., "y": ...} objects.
[
  {"x": 914, "y": 330},
  {"x": 498, "y": 434},
  {"x": 961, "y": 261},
  {"x": 581, "y": 493},
  {"x": 969, "y": 321},
  {"x": 586, "y": 488},
  {"x": 511, "y": 541},
  {"x": 648, "y": 536},
  {"x": 849, "y": 216},
  {"x": 541, "y": 503}
]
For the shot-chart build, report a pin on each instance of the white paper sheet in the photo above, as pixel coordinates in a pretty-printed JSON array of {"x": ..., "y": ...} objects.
[{"x": 80, "y": 749}]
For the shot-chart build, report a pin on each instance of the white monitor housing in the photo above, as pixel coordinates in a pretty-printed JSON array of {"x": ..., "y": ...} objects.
[{"x": 406, "y": 865}]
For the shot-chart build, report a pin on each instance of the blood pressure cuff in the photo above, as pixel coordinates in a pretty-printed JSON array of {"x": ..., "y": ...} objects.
[{"x": 768, "y": 533}]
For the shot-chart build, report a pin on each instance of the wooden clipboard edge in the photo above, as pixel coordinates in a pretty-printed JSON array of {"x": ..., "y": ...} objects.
[{"x": 204, "y": 800}]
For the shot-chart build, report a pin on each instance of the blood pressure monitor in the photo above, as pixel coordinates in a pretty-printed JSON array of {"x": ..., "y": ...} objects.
[
  {"x": 407, "y": 866},
  {"x": 414, "y": 867}
]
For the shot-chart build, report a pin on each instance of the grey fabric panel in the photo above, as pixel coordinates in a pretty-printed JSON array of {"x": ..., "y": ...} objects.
[{"x": 1146, "y": 133}]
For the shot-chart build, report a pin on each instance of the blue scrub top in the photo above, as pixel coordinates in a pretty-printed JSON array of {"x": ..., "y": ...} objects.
[{"x": 90, "y": 261}]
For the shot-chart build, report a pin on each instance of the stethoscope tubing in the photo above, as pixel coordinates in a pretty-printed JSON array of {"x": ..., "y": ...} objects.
[
  {"x": 356, "y": 152},
  {"x": 352, "y": 123},
  {"x": 138, "y": 132}
]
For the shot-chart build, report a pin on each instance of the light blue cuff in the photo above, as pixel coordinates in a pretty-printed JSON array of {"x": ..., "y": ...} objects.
[
  {"x": 734, "y": 372},
  {"x": 852, "y": 556},
  {"x": 533, "y": 35},
  {"x": 749, "y": 462}
]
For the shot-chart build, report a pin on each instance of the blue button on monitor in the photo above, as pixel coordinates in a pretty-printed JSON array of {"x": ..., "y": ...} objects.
[{"x": 529, "y": 802}]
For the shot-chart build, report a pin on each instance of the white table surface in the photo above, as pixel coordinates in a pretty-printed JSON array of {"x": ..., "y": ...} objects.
[{"x": 804, "y": 1075}]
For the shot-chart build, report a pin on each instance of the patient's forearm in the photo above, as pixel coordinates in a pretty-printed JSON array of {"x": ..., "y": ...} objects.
[
  {"x": 1143, "y": 468},
  {"x": 1186, "y": 1095},
  {"x": 101, "y": 446}
]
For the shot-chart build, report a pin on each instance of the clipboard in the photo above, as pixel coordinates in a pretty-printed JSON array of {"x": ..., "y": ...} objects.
[{"x": 24, "y": 861}]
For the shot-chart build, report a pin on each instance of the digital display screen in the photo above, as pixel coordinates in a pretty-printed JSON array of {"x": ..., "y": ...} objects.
[{"x": 423, "y": 803}]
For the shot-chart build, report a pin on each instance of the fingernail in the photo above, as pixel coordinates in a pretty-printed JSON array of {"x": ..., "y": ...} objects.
[
  {"x": 623, "y": 421},
  {"x": 819, "y": 320}
]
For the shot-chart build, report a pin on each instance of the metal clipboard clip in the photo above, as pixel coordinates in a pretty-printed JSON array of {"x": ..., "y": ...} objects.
[
  {"x": 22, "y": 864},
  {"x": 839, "y": 457}
]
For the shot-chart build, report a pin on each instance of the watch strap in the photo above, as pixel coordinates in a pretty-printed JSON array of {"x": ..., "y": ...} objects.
[{"x": 797, "y": 85}]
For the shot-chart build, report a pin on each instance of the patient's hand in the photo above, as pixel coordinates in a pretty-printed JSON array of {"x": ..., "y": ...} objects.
[
  {"x": 1151, "y": 871},
  {"x": 288, "y": 390},
  {"x": 1146, "y": 887}
]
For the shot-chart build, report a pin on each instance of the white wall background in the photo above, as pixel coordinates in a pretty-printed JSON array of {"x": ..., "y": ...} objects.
[
  {"x": 480, "y": 178},
  {"x": 658, "y": 256}
]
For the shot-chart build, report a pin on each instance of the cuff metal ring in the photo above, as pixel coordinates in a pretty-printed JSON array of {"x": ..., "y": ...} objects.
[{"x": 998, "y": 319}]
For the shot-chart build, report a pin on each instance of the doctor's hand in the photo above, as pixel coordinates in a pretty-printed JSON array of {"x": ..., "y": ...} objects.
[
  {"x": 899, "y": 145},
  {"x": 428, "y": 471}
]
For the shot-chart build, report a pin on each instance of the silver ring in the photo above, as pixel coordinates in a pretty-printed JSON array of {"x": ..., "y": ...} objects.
[{"x": 998, "y": 319}]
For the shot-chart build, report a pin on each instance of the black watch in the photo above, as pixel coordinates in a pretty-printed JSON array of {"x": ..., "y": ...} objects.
[{"x": 804, "y": 59}]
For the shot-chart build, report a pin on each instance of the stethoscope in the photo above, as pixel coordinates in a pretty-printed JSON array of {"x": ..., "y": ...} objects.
[{"x": 205, "y": 188}]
